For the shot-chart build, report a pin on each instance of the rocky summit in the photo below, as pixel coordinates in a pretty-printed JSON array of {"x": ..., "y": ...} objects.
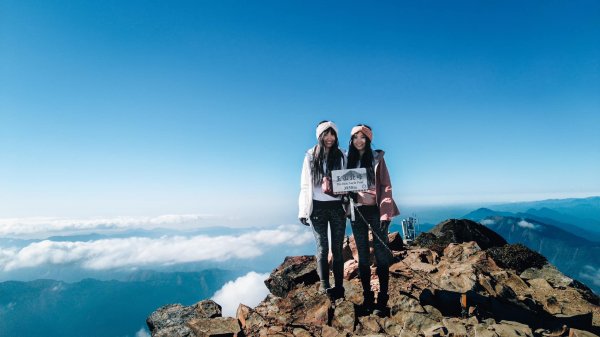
[{"x": 461, "y": 280}]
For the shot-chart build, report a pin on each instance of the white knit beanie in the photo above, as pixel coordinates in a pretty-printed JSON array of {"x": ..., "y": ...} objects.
[{"x": 324, "y": 126}]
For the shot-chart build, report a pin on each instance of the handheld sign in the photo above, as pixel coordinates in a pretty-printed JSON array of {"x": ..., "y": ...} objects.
[{"x": 352, "y": 180}]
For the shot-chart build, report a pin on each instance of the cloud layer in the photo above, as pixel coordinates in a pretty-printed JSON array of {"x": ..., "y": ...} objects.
[
  {"x": 53, "y": 226},
  {"x": 526, "y": 224},
  {"x": 249, "y": 289},
  {"x": 136, "y": 251}
]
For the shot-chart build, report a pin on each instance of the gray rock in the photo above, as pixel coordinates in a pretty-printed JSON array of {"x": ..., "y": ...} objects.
[
  {"x": 510, "y": 328},
  {"x": 455, "y": 326},
  {"x": 218, "y": 326},
  {"x": 344, "y": 316},
  {"x": 173, "y": 318},
  {"x": 293, "y": 271}
]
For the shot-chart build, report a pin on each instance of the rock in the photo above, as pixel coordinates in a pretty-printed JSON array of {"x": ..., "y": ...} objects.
[
  {"x": 293, "y": 271},
  {"x": 299, "y": 332},
  {"x": 413, "y": 321},
  {"x": 218, "y": 326},
  {"x": 433, "y": 313},
  {"x": 461, "y": 252},
  {"x": 482, "y": 330},
  {"x": 540, "y": 284},
  {"x": 250, "y": 321},
  {"x": 275, "y": 310},
  {"x": 423, "y": 267},
  {"x": 427, "y": 291},
  {"x": 172, "y": 318},
  {"x": 369, "y": 325},
  {"x": 420, "y": 255},
  {"x": 392, "y": 327},
  {"x": 516, "y": 257},
  {"x": 549, "y": 273},
  {"x": 430, "y": 241},
  {"x": 395, "y": 241},
  {"x": 344, "y": 316},
  {"x": 328, "y": 331},
  {"x": 510, "y": 328},
  {"x": 350, "y": 269},
  {"x": 510, "y": 280},
  {"x": 455, "y": 326},
  {"x": 463, "y": 230},
  {"x": 557, "y": 279},
  {"x": 580, "y": 333},
  {"x": 174, "y": 331},
  {"x": 438, "y": 330},
  {"x": 403, "y": 303}
]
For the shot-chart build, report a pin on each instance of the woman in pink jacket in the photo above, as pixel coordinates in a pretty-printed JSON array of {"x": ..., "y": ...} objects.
[{"x": 375, "y": 207}]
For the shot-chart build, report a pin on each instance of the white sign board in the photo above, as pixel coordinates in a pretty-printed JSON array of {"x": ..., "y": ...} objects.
[{"x": 352, "y": 180}]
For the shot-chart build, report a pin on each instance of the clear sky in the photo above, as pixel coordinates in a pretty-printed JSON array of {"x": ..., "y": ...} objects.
[{"x": 206, "y": 107}]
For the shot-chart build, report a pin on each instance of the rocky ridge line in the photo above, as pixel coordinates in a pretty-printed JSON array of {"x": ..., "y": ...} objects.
[{"x": 450, "y": 287}]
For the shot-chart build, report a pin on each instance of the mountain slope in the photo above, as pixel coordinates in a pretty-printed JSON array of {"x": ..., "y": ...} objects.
[
  {"x": 458, "y": 290},
  {"x": 571, "y": 254},
  {"x": 98, "y": 308}
]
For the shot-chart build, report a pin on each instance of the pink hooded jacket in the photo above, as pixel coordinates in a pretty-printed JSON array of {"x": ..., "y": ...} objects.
[{"x": 383, "y": 189}]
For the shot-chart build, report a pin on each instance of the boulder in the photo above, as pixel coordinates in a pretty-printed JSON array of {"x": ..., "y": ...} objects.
[
  {"x": 293, "y": 271},
  {"x": 215, "y": 327},
  {"x": 344, "y": 316},
  {"x": 463, "y": 230},
  {"x": 170, "y": 320}
]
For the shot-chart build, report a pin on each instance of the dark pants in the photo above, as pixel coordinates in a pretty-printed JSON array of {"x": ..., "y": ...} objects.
[
  {"x": 331, "y": 212},
  {"x": 382, "y": 255}
]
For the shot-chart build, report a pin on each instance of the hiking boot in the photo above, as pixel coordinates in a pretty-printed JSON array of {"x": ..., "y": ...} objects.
[
  {"x": 368, "y": 304},
  {"x": 381, "y": 309},
  {"x": 335, "y": 292}
]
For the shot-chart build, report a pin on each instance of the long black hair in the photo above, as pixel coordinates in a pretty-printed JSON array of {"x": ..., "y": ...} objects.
[
  {"x": 366, "y": 160},
  {"x": 333, "y": 159}
]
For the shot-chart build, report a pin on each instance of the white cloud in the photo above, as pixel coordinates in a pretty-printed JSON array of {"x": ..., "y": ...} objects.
[
  {"x": 487, "y": 222},
  {"x": 52, "y": 226},
  {"x": 249, "y": 289},
  {"x": 591, "y": 273},
  {"x": 136, "y": 251},
  {"x": 526, "y": 224},
  {"x": 142, "y": 333}
]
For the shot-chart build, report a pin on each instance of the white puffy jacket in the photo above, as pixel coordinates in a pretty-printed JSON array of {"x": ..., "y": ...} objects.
[{"x": 305, "y": 199}]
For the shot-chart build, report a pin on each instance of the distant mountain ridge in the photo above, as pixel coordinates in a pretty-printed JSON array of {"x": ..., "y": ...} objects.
[
  {"x": 98, "y": 308},
  {"x": 583, "y": 212},
  {"x": 573, "y": 255},
  {"x": 548, "y": 217}
]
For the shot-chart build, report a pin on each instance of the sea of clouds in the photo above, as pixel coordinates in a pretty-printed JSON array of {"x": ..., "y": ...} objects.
[{"x": 134, "y": 251}]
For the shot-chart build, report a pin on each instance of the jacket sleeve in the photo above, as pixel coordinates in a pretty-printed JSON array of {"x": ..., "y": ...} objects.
[
  {"x": 387, "y": 206},
  {"x": 305, "y": 181}
]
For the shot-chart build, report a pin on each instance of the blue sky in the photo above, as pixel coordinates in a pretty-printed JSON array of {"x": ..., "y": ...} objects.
[{"x": 196, "y": 107}]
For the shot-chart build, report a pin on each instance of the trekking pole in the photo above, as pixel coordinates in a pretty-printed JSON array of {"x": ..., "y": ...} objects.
[{"x": 375, "y": 235}]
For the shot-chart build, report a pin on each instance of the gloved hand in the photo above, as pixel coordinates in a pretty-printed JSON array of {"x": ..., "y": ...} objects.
[
  {"x": 385, "y": 223},
  {"x": 304, "y": 221}
]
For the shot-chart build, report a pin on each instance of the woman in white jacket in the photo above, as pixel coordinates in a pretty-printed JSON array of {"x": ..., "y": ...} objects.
[{"x": 319, "y": 207}]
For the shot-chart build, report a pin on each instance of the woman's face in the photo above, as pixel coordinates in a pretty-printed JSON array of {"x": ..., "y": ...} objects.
[
  {"x": 359, "y": 141},
  {"x": 328, "y": 139}
]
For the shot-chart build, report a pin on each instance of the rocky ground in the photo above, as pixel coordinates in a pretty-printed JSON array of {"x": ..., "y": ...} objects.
[{"x": 445, "y": 286}]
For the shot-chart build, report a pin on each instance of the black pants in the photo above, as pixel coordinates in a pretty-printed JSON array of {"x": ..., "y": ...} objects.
[
  {"x": 332, "y": 213},
  {"x": 382, "y": 255}
]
